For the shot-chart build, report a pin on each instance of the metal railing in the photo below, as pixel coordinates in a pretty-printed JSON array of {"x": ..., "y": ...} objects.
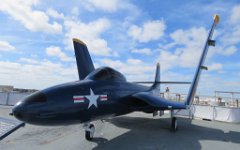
[
  {"x": 205, "y": 99},
  {"x": 11, "y": 98}
]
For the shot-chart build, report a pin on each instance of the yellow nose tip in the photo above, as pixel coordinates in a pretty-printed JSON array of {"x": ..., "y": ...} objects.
[{"x": 216, "y": 18}]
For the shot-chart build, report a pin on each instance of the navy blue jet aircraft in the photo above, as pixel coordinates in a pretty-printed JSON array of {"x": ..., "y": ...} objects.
[{"x": 100, "y": 93}]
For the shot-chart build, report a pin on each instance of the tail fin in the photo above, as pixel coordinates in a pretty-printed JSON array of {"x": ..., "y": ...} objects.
[
  {"x": 195, "y": 81},
  {"x": 156, "y": 85},
  {"x": 84, "y": 61}
]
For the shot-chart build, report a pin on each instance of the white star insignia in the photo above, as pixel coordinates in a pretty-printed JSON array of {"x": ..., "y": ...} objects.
[{"x": 92, "y": 99}]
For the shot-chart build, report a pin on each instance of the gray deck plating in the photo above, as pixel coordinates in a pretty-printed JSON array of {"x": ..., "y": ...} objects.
[{"x": 133, "y": 131}]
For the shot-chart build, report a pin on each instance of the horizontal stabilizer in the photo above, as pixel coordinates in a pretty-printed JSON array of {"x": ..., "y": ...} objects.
[{"x": 84, "y": 61}]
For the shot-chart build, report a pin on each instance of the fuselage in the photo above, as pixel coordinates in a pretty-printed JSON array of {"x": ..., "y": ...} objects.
[{"x": 78, "y": 102}]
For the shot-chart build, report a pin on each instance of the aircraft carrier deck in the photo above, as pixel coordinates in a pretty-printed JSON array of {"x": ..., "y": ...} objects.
[{"x": 136, "y": 131}]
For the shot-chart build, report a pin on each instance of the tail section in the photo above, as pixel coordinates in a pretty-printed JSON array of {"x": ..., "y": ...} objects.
[
  {"x": 156, "y": 85},
  {"x": 196, "y": 78},
  {"x": 84, "y": 61}
]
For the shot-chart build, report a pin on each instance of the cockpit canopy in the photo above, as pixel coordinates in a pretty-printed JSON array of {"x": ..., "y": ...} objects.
[{"x": 106, "y": 73}]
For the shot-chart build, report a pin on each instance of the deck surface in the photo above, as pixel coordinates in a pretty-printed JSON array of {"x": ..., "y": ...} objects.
[{"x": 136, "y": 131}]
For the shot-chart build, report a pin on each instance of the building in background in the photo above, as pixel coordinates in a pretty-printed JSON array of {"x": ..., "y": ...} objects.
[
  {"x": 10, "y": 88},
  {"x": 6, "y": 88}
]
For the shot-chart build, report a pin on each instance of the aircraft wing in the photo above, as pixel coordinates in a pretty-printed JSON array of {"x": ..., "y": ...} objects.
[{"x": 157, "y": 101}]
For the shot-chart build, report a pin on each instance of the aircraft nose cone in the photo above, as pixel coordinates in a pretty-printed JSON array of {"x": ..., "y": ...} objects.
[
  {"x": 18, "y": 111},
  {"x": 26, "y": 108}
]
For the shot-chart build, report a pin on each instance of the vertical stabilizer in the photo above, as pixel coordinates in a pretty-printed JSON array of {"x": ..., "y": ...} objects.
[
  {"x": 83, "y": 59},
  {"x": 156, "y": 85},
  {"x": 195, "y": 81}
]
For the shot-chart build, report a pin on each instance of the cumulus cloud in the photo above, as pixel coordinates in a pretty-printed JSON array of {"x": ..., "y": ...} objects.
[
  {"x": 215, "y": 67},
  {"x": 5, "y": 46},
  {"x": 43, "y": 74},
  {"x": 75, "y": 11},
  {"x": 167, "y": 59},
  {"x": 90, "y": 33},
  {"x": 194, "y": 36},
  {"x": 106, "y": 5},
  {"x": 225, "y": 50},
  {"x": 145, "y": 51},
  {"x": 188, "y": 47},
  {"x": 133, "y": 69},
  {"x": 33, "y": 20},
  {"x": 151, "y": 30},
  {"x": 134, "y": 61},
  {"x": 56, "y": 52},
  {"x": 28, "y": 60},
  {"x": 229, "y": 36},
  {"x": 54, "y": 14},
  {"x": 235, "y": 14}
]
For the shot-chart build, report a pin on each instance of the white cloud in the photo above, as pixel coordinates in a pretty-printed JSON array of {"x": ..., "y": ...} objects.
[
  {"x": 133, "y": 69},
  {"x": 145, "y": 51},
  {"x": 5, "y": 46},
  {"x": 167, "y": 60},
  {"x": 43, "y": 74},
  {"x": 189, "y": 44},
  {"x": 229, "y": 51},
  {"x": 151, "y": 30},
  {"x": 90, "y": 33},
  {"x": 75, "y": 11},
  {"x": 106, "y": 5},
  {"x": 215, "y": 67},
  {"x": 56, "y": 51},
  {"x": 235, "y": 14},
  {"x": 28, "y": 60},
  {"x": 194, "y": 36},
  {"x": 53, "y": 13},
  {"x": 33, "y": 20},
  {"x": 223, "y": 49},
  {"x": 230, "y": 35},
  {"x": 134, "y": 61},
  {"x": 112, "y": 6}
]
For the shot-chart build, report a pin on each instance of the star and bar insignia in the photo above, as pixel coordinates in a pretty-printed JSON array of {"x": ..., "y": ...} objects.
[{"x": 92, "y": 98}]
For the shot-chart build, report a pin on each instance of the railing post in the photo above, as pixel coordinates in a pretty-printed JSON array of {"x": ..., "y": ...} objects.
[
  {"x": 197, "y": 99},
  {"x": 162, "y": 95},
  {"x": 178, "y": 97},
  {"x": 7, "y": 101}
]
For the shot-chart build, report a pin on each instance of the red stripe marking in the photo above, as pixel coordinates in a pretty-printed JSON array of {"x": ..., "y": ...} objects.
[
  {"x": 103, "y": 99},
  {"x": 103, "y": 96},
  {"x": 78, "y": 98}
]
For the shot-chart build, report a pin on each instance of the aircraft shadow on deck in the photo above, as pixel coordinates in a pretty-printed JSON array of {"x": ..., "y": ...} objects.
[{"x": 146, "y": 133}]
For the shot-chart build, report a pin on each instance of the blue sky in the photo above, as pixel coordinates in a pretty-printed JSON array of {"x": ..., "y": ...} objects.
[{"x": 131, "y": 36}]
